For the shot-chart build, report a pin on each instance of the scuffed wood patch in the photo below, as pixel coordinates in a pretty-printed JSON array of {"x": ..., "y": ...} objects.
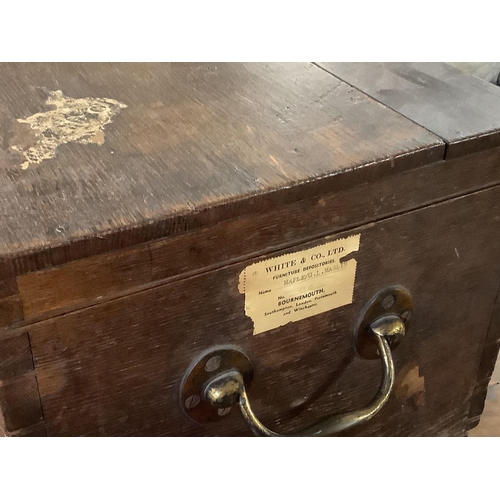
[{"x": 410, "y": 385}]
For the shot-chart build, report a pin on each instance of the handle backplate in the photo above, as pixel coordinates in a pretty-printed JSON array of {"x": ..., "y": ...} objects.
[
  {"x": 210, "y": 365},
  {"x": 391, "y": 301}
]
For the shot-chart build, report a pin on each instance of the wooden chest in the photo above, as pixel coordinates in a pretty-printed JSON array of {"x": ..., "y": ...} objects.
[{"x": 179, "y": 241}]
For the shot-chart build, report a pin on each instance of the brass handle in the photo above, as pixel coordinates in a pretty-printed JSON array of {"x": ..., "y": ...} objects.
[
  {"x": 218, "y": 380},
  {"x": 229, "y": 388}
]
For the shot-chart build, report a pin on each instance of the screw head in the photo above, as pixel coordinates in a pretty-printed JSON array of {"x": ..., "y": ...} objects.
[
  {"x": 388, "y": 301},
  {"x": 192, "y": 401},
  {"x": 213, "y": 363}
]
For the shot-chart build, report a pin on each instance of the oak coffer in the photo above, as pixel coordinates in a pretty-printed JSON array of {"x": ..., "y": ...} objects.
[{"x": 221, "y": 249}]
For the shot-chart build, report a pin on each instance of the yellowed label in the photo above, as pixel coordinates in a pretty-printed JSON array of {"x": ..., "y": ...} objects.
[{"x": 298, "y": 285}]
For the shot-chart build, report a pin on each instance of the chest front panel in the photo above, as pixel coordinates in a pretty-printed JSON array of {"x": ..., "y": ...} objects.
[{"x": 116, "y": 368}]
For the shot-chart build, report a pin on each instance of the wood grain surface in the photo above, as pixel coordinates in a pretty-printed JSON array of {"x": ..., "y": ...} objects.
[
  {"x": 98, "y": 278},
  {"x": 485, "y": 375},
  {"x": 461, "y": 109},
  {"x": 192, "y": 137},
  {"x": 20, "y": 406},
  {"x": 115, "y": 368},
  {"x": 120, "y": 252},
  {"x": 489, "y": 424}
]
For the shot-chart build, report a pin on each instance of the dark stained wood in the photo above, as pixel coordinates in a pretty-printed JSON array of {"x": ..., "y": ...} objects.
[
  {"x": 85, "y": 279},
  {"x": 98, "y": 278},
  {"x": 459, "y": 108},
  {"x": 115, "y": 369},
  {"x": 263, "y": 204},
  {"x": 193, "y": 138},
  {"x": 15, "y": 357},
  {"x": 486, "y": 368},
  {"x": 121, "y": 257},
  {"x": 11, "y": 311},
  {"x": 7, "y": 279},
  {"x": 75, "y": 250},
  {"x": 20, "y": 407},
  {"x": 37, "y": 430},
  {"x": 20, "y": 403},
  {"x": 489, "y": 425}
]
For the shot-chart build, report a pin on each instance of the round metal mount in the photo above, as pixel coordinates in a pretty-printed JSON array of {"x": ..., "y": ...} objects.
[
  {"x": 210, "y": 366},
  {"x": 391, "y": 301}
]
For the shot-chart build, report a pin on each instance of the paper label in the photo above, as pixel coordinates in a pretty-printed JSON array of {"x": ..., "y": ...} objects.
[{"x": 298, "y": 285}]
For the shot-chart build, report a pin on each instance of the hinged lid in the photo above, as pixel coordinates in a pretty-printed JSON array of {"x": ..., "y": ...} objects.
[
  {"x": 95, "y": 157},
  {"x": 460, "y": 108}
]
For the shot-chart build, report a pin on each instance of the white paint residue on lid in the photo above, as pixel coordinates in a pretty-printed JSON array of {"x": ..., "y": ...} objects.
[{"x": 72, "y": 120}]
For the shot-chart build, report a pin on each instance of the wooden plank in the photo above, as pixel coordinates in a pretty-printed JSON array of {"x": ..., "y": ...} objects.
[
  {"x": 20, "y": 407},
  {"x": 83, "y": 280},
  {"x": 115, "y": 369},
  {"x": 15, "y": 357},
  {"x": 7, "y": 279},
  {"x": 191, "y": 137},
  {"x": 20, "y": 403},
  {"x": 271, "y": 201},
  {"x": 37, "y": 430},
  {"x": 53, "y": 291},
  {"x": 486, "y": 368},
  {"x": 11, "y": 311},
  {"x": 489, "y": 425},
  {"x": 461, "y": 109}
]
